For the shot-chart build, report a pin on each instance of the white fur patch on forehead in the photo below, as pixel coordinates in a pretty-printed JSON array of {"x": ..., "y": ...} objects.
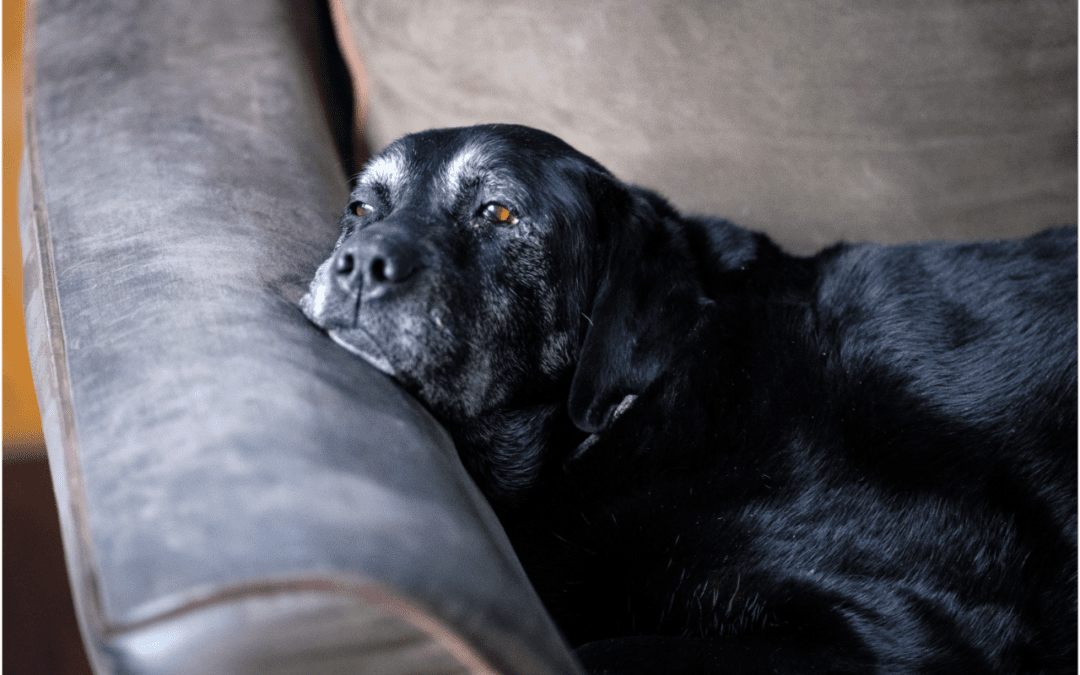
[
  {"x": 388, "y": 169},
  {"x": 472, "y": 161}
]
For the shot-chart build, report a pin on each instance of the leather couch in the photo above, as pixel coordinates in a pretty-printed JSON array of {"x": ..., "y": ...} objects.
[{"x": 238, "y": 494}]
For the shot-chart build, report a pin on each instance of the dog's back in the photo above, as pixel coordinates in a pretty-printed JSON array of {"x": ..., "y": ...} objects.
[
  {"x": 975, "y": 328},
  {"x": 874, "y": 451}
]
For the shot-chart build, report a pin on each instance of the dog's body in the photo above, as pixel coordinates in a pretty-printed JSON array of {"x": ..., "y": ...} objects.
[{"x": 712, "y": 456}]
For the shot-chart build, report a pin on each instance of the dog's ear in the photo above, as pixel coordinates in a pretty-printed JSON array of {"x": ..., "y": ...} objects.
[{"x": 648, "y": 299}]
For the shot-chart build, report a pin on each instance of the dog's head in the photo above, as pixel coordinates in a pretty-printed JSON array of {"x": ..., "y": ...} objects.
[{"x": 495, "y": 267}]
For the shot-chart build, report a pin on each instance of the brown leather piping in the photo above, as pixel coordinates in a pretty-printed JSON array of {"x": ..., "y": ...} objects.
[
  {"x": 365, "y": 591},
  {"x": 86, "y": 592}
]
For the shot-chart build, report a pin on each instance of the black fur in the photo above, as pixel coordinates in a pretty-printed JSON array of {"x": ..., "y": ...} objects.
[{"x": 712, "y": 456}]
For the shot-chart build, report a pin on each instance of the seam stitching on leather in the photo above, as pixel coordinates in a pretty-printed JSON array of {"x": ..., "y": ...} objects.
[{"x": 84, "y": 574}]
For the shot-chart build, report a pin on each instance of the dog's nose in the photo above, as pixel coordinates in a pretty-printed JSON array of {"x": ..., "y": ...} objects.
[{"x": 375, "y": 265}]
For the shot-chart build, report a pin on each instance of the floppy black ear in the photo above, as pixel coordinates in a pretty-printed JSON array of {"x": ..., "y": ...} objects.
[{"x": 648, "y": 300}]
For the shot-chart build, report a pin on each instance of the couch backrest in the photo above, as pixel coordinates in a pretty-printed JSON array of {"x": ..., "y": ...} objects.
[{"x": 814, "y": 121}]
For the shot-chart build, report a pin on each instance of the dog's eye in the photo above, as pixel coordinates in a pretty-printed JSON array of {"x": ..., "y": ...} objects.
[
  {"x": 361, "y": 209},
  {"x": 498, "y": 214}
]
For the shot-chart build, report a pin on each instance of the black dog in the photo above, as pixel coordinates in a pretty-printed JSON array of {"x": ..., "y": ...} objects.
[{"x": 712, "y": 456}]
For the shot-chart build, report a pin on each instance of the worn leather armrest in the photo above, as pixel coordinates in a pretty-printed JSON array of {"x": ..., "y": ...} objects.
[{"x": 237, "y": 494}]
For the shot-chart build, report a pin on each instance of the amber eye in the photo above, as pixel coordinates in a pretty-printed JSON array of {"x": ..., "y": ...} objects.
[
  {"x": 361, "y": 209},
  {"x": 499, "y": 214}
]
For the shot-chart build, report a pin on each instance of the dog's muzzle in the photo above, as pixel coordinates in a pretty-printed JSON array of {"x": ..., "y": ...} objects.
[
  {"x": 368, "y": 268},
  {"x": 373, "y": 264}
]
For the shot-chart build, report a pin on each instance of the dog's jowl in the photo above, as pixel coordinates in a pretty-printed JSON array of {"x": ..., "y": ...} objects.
[{"x": 710, "y": 455}]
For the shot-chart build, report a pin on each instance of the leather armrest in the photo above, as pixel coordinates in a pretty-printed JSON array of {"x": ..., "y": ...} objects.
[{"x": 237, "y": 493}]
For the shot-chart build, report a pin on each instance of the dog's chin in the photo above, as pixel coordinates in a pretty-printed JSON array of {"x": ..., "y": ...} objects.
[{"x": 357, "y": 341}]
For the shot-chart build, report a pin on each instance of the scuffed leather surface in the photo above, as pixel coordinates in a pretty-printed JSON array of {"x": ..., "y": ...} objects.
[
  {"x": 188, "y": 190},
  {"x": 813, "y": 121}
]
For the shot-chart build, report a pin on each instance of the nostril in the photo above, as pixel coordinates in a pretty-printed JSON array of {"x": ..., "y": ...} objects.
[
  {"x": 379, "y": 272},
  {"x": 345, "y": 265},
  {"x": 390, "y": 269}
]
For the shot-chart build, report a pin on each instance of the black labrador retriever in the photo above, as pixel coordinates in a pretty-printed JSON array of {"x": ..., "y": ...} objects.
[{"x": 715, "y": 457}]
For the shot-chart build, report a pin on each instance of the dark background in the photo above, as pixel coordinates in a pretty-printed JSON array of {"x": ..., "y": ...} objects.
[{"x": 40, "y": 632}]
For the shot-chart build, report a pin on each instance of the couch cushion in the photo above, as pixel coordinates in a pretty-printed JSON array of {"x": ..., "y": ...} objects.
[{"x": 814, "y": 121}]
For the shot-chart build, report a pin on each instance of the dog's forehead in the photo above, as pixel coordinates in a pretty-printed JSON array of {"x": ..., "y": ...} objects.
[
  {"x": 389, "y": 169},
  {"x": 526, "y": 169},
  {"x": 484, "y": 164},
  {"x": 472, "y": 159},
  {"x": 442, "y": 166}
]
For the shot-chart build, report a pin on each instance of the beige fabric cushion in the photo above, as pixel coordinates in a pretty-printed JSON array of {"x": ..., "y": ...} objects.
[{"x": 813, "y": 121}]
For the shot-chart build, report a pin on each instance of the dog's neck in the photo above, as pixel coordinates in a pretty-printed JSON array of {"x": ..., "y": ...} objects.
[
  {"x": 510, "y": 449},
  {"x": 506, "y": 450}
]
